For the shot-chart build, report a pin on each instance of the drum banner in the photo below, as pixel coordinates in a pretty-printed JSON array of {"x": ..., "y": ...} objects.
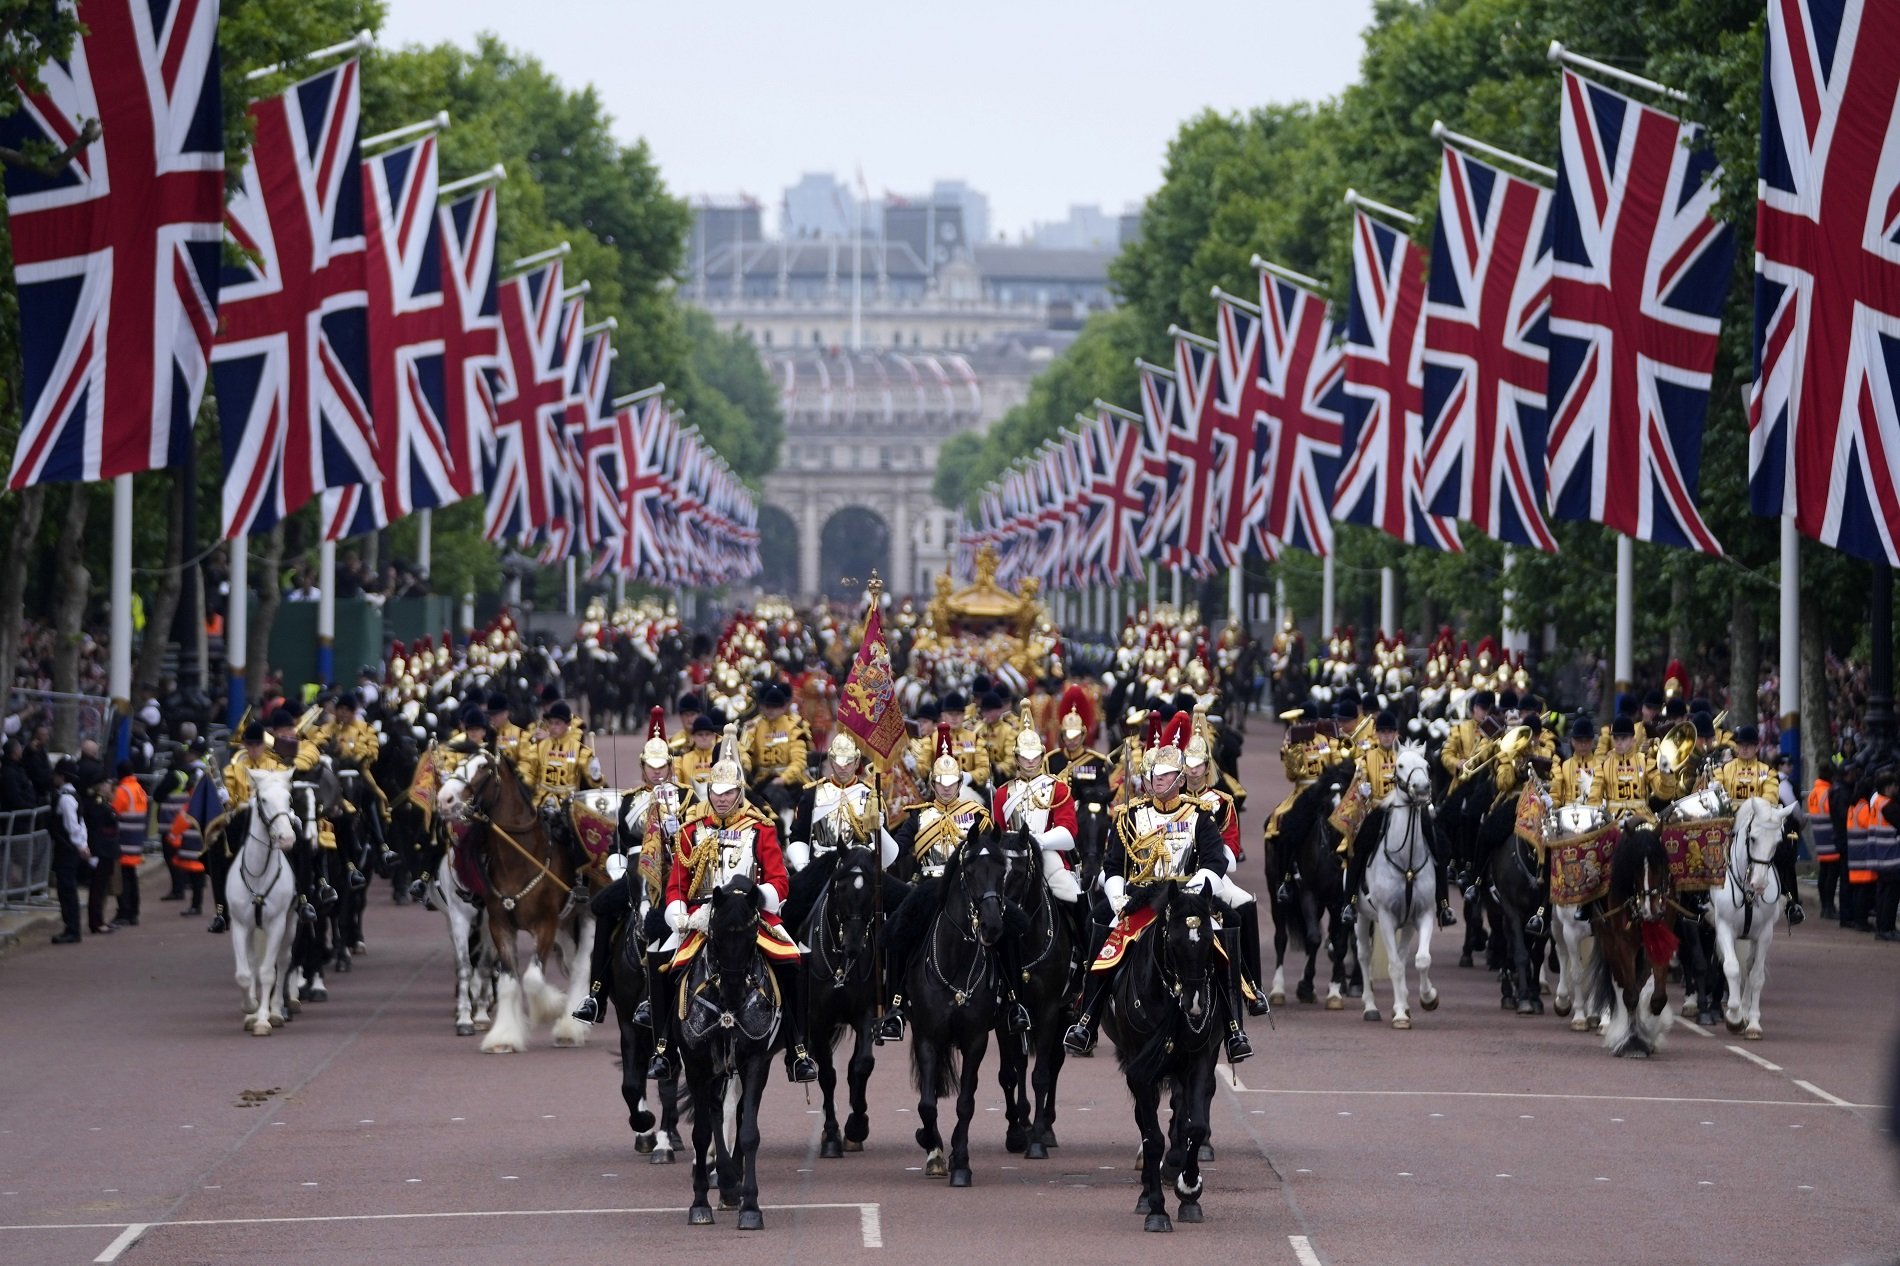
[
  {"x": 1580, "y": 866},
  {"x": 1698, "y": 852},
  {"x": 1530, "y": 817},
  {"x": 594, "y": 829},
  {"x": 427, "y": 781},
  {"x": 1350, "y": 812}
]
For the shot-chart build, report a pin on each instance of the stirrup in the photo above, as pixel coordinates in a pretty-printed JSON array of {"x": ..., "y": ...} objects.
[
  {"x": 1238, "y": 1047},
  {"x": 891, "y": 1027},
  {"x": 1015, "y": 1018},
  {"x": 1795, "y": 913},
  {"x": 418, "y": 889},
  {"x": 589, "y": 1012},
  {"x": 1446, "y": 918},
  {"x": 218, "y": 923},
  {"x": 358, "y": 880},
  {"x": 1284, "y": 893},
  {"x": 326, "y": 895},
  {"x": 643, "y": 1014},
  {"x": 1078, "y": 1039},
  {"x": 306, "y": 911},
  {"x": 802, "y": 1067},
  {"x": 660, "y": 1067}
]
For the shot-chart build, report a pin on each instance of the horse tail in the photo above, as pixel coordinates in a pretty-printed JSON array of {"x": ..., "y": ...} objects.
[
  {"x": 1596, "y": 992},
  {"x": 943, "y": 1075}
]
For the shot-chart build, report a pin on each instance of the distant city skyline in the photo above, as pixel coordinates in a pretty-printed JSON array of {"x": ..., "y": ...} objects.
[{"x": 1043, "y": 108}]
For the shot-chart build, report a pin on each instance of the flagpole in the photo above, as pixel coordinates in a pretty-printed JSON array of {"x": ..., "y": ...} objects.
[
  {"x": 237, "y": 625},
  {"x": 425, "y": 533},
  {"x": 1236, "y": 593},
  {"x": 326, "y": 612},
  {"x": 119, "y": 639},
  {"x": 1388, "y": 601},
  {"x": 1789, "y": 703},
  {"x": 1507, "y": 615},
  {"x": 1624, "y": 664},
  {"x": 1326, "y": 596}
]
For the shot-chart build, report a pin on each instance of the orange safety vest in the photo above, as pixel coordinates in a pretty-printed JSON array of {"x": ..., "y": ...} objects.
[
  {"x": 1826, "y": 847},
  {"x": 1863, "y": 820},
  {"x": 133, "y": 807}
]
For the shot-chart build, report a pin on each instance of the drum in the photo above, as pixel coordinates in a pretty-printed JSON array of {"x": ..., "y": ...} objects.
[
  {"x": 1576, "y": 819},
  {"x": 596, "y": 818},
  {"x": 1701, "y": 806}
]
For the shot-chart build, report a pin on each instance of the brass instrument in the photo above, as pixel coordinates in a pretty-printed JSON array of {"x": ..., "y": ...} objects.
[
  {"x": 1507, "y": 746},
  {"x": 1676, "y": 748}
]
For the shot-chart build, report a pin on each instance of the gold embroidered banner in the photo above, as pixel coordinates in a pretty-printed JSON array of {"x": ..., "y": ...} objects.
[{"x": 1698, "y": 852}]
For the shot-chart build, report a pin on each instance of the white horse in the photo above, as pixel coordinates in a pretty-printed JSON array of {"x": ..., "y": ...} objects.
[
  {"x": 474, "y": 956},
  {"x": 1571, "y": 936},
  {"x": 258, "y": 893},
  {"x": 1745, "y": 907},
  {"x": 1402, "y": 889}
]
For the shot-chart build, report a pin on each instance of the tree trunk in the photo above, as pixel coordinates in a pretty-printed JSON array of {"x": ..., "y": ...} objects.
[
  {"x": 164, "y": 606},
  {"x": 1744, "y": 650},
  {"x": 1678, "y": 613},
  {"x": 263, "y": 571},
  {"x": 1817, "y": 736},
  {"x": 69, "y": 612},
  {"x": 26, "y": 530}
]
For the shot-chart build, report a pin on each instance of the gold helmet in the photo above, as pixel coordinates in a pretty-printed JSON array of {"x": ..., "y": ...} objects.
[
  {"x": 1165, "y": 755},
  {"x": 1028, "y": 739},
  {"x": 655, "y": 751},
  {"x": 945, "y": 765},
  {"x": 1200, "y": 748},
  {"x": 726, "y": 774},
  {"x": 843, "y": 749}
]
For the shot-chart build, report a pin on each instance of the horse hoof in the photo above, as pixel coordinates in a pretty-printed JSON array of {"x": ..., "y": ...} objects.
[
  {"x": 465, "y": 1030},
  {"x": 1207, "y": 1155},
  {"x": 1156, "y": 1222},
  {"x": 1464, "y": 959},
  {"x": 699, "y": 1215},
  {"x": 854, "y": 1145},
  {"x": 342, "y": 962},
  {"x": 1145, "y": 1205},
  {"x": 936, "y": 1167},
  {"x": 661, "y": 1156},
  {"x": 1036, "y": 1151},
  {"x": 1430, "y": 1004},
  {"x": 1537, "y": 1006},
  {"x": 728, "y": 1203},
  {"x": 1049, "y": 1137},
  {"x": 1705, "y": 1018},
  {"x": 1355, "y": 991},
  {"x": 1015, "y": 1139},
  {"x": 1560, "y": 1008},
  {"x": 751, "y": 1220},
  {"x": 1401, "y": 1022},
  {"x": 1335, "y": 1003},
  {"x": 1579, "y": 1024},
  {"x": 261, "y": 1029},
  {"x": 1305, "y": 994},
  {"x": 642, "y": 1123},
  {"x": 959, "y": 1178},
  {"x": 1734, "y": 1026},
  {"x": 1277, "y": 998},
  {"x": 1527, "y": 1006},
  {"x": 1373, "y": 1016},
  {"x": 831, "y": 1149},
  {"x": 643, "y": 1143},
  {"x": 1752, "y": 1033},
  {"x": 1190, "y": 1212},
  {"x": 1507, "y": 1002},
  {"x": 319, "y": 994},
  {"x": 303, "y": 993},
  {"x": 276, "y": 1021}
]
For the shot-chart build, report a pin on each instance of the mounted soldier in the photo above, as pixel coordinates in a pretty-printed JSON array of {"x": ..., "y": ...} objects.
[
  {"x": 774, "y": 751},
  {"x": 1748, "y": 776},
  {"x": 693, "y": 760},
  {"x": 838, "y": 811},
  {"x": 556, "y": 766},
  {"x": 727, "y": 839}
]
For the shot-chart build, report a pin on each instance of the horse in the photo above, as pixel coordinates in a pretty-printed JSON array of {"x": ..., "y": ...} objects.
[
  {"x": 1048, "y": 986},
  {"x": 528, "y": 882},
  {"x": 314, "y": 941},
  {"x": 953, "y": 984},
  {"x": 1634, "y": 945},
  {"x": 1166, "y": 1019},
  {"x": 1401, "y": 888},
  {"x": 1744, "y": 908},
  {"x": 729, "y": 1025},
  {"x": 474, "y": 956},
  {"x": 839, "y": 922},
  {"x": 1516, "y": 901},
  {"x": 258, "y": 891},
  {"x": 1319, "y": 889}
]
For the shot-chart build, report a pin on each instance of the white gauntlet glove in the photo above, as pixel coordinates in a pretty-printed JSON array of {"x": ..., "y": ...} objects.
[
  {"x": 1117, "y": 889},
  {"x": 1204, "y": 881},
  {"x": 676, "y": 916},
  {"x": 768, "y": 898},
  {"x": 700, "y": 919}
]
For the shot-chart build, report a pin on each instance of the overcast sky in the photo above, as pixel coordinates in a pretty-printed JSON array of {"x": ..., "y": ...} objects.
[{"x": 1039, "y": 104}]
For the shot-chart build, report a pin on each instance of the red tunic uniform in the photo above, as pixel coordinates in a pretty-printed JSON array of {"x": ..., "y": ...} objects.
[
  {"x": 1060, "y": 810},
  {"x": 746, "y": 845}
]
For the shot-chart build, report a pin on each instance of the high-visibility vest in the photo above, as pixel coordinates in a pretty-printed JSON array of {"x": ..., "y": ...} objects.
[
  {"x": 184, "y": 835},
  {"x": 1872, "y": 845},
  {"x": 1820, "y": 824},
  {"x": 133, "y": 807}
]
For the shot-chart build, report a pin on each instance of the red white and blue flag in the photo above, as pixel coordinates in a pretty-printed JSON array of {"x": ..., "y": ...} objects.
[
  {"x": 638, "y": 426},
  {"x": 1381, "y": 481},
  {"x": 292, "y": 355},
  {"x": 1189, "y": 539},
  {"x": 1157, "y": 420},
  {"x": 526, "y": 481},
  {"x": 1121, "y": 493},
  {"x": 1641, "y": 271},
  {"x": 1487, "y": 310},
  {"x": 472, "y": 334},
  {"x": 1824, "y": 431},
  {"x": 116, "y": 253},
  {"x": 593, "y": 434},
  {"x": 1299, "y": 377}
]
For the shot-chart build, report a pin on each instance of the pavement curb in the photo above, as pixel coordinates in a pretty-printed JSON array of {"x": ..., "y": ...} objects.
[{"x": 20, "y": 926}]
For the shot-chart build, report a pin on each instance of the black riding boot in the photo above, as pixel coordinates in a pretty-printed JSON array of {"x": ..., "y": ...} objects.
[
  {"x": 217, "y": 869},
  {"x": 1238, "y": 1047},
  {"x": 1080, "y": 1037},
  {"x": 1014, "y": 1016},
  {"x": 1280, "y": 848},
  {"x": 1784, "y": 871},
  {"x": 609, "y": 907},
  {"x": 799, "y": 1065},
  {"x": 665, "y": 1017},
  {"x": 1249, "y": 932},
  {"x": 1441, "y": 872}
]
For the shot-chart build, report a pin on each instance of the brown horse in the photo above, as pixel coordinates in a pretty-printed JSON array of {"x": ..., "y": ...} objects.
[
  {"x": 1635, "y": 941},
  {"x": 528, "y": 880}
]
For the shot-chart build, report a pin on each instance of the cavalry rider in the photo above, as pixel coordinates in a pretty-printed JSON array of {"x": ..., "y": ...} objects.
[
  {"x": 776, "y": 743},
  {"x": 474, "y": 736},
  {"x": 218, "y": 850},
  {"x": 693, "y": 762},
  {"x": 1378, "y": 774},
  {"x": 1749, "y": 776},
  {"x": 997, "y": 731},
  {"x": 507, "y": 737},
  {"x": 301, "y": 757},
  {"x": 1621, "y": 781},
  {"x": 973, "y": 754},
  {"x": 353, "y": 746},
  {"x": 928, "y": 835},
  {"x": 652, "y": 820},
  {"x": 1462, "y": 743},
  {"x": 556, "y": 766},
  {"x": 1309, "y": 747},
  {"x": 1161, "y": 836},
  {"x": 838, "y": 811},
  {"x": 1083, "y": 769},
  {"x": 689, "y": 711},
  {"x": 728, "y": 838},
  {"x": 1038, "y": 801},
  {"x": 1200, "y": 774}
]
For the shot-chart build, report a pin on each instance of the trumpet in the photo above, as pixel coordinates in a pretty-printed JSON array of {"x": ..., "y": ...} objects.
[{"x": 1507, "y": 746}]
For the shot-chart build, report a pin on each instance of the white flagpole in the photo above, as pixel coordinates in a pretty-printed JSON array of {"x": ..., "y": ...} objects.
[
  {"x": 425, "y": 539},
  {"x": 119, "y": 640},
  {"x": 1790, "y": 700},
  {"x": 570, "y": 584},
  {"x": 237, "y": 625},
  {"x": 1236, "y": 594},
  {"x": 326, "y": 612},
  {"x": 1507, "y": 615},
  {"x": 1174, "y": 591},
  {"x": 1624, "y": 665},
  {"x": 1326, "y": 597},
  {"x": 1388, "y": 601}
]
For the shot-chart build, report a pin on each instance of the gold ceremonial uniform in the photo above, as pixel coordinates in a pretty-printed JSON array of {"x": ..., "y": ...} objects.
[
  {"x": 692, "y": 769},
  {"x": 355, "y": 742},
  {"x": 1622, "y": 784},
  {"x": 973, "y": 753},
  {"x": 1568, "y": 779},
  {"x": 237, "y": 774},
  {"x": 932, "y": 832},
  {"x": 1745, "y": 778},
  {"x": 1377, "y": 767},
  {"x": 1459, "y": 746},
  {"x": 776, "y": 747},
  {"x": 558, "y": 767},
  {"x": 510, "y": 740},
  {"x": 999, "y": 746}
]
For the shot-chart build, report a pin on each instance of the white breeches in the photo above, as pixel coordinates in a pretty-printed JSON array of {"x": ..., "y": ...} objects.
[{"x": 1062, "y": 884}]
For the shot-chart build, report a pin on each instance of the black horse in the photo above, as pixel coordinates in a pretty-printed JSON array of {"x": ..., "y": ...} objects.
[
  {"x": 954, "y": 984},
  {"x": 1045, "y": 933},
  {"x": 1517, "y": 903},
  {"x": 1166, "y": 1022},
  {"x": 1316, "y": 885},
  {"x": 843, "y": 984},
  {"x": 630, "y": 984},
  {"x": 729, "y": 1027}
]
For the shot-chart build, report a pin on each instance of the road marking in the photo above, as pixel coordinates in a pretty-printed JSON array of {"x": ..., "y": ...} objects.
[
  {"x": 1226, "y": 1073},
  {"x": 1753, "y": 1058},
  {"x": 1690, "y": 1025},
  {"x": 1303, "y": 1250},
  {"x": 126, "y": 1239},
  {"x": 870, "y": 1221},
  {"x": 1836, "y": 1100},
  {"x": 1512, "y": 1094}
]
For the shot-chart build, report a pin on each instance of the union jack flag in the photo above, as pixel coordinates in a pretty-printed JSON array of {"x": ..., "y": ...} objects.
[
  {"x": 638, "y": 427},
  {"x": 526, "y": 481},
  {"x": 1300, "y": 378},
  {"x": 593, "y": 432},
  {"x": 1157, "y": 413},
  {"x": 1188, "y": 538},
  {"x": 1381, "y": 483},
  {"x": 1824, "y": 432},
  {"x": 1242, "y": 434},
  {"x": 472, "y": 335},
  {"x": 1486, "y": 351},
  {"x": 408, "y": 322},
  {"x": 292, "y": 356},
  {"x": 1642, "y": 268},
  {"x": 116, "y": 254},
  {"x": 1120, "y": 490}
]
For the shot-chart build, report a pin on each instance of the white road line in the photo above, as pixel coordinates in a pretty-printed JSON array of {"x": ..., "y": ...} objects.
[
  {"x": 869, "y": 1217},
  {"x": 1753, "y": 1058},
  {"x": 1226, "y": 1073},
  {"x": 126, "y": 1239},
  {"x": 871, "y": 1226},
  {"x": 1690, "y": 1025},
  {"x": 1508, "y": 1094},
  {"x": 1836, "y": 1100},
  {"x": 1303, "y": 1250}
]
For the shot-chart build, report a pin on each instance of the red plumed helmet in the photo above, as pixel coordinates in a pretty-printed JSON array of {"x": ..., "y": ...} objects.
[
  {"x": 655, "y": 751},
  {"x": 1151, "y": 735},
  {"x": 1075, "y": 703}
]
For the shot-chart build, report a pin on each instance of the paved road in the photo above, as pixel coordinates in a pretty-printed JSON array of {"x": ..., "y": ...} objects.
[{"x": 138, "y": 1124}]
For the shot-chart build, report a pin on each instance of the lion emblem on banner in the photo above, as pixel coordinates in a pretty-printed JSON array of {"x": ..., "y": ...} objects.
[{"x": 872, "y": 688}]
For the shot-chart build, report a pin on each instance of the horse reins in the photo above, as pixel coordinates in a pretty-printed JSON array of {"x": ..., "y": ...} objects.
[{"x": 480, "y": 814}]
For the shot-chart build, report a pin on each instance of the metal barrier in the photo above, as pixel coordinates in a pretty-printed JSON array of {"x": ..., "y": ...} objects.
[
  {"x": 91, "y": 715},
  {"x": 26, "y": 857}
]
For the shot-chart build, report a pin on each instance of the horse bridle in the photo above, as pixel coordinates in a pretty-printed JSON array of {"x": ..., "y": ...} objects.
[
  {"x": 833, "y": 940},
  {"x": 1740, "y": 880},
  {"x": 725, "y": 1022},
  {"x": 478, "y": 812},
  {"x": 971, "y": 934},
  {"x": 270, "y": 850},
  {"x": 1172, "y": 983}
]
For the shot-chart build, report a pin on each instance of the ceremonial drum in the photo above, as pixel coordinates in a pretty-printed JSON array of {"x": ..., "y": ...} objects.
[
  {"x": 596, "y": 818},
  {"x": 1577, "y": 844},
  {"x": 1696, "y": 831}
]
